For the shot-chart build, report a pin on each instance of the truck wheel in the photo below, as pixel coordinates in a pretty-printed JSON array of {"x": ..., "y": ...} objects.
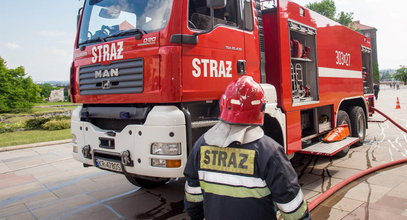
[
  {"x": 358, "y": 121},
  {"x": 145, "y": 183},
  {"x": 343, "y": 118}
]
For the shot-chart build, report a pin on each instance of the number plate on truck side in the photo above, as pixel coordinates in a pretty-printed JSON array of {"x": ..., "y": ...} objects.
[{"x": 107, "y": 164}]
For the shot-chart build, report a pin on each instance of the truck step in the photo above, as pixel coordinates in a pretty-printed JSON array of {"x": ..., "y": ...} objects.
[{"x": 329, "y": 149}]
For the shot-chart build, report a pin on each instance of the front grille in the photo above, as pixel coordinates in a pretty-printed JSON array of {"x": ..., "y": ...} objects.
[
  {"x": 114, "y": 124},
  {"x": 120, "y": 77},
  {"x": 114, "y": 117}
]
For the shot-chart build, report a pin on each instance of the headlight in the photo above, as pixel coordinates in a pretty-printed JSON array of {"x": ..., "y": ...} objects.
[
  {"x": 165, "y": 163},
  {"x": 158, "y": 163},
  {"x": 166, "y": 148}
]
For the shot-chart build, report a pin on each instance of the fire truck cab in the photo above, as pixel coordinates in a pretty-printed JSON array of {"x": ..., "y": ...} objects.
[{"x": 150, "y": 72}]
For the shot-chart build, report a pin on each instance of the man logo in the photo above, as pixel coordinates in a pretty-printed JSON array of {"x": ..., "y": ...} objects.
[
  {"x": 106, "y": 73},
  {"x": 106, "y": 84}
]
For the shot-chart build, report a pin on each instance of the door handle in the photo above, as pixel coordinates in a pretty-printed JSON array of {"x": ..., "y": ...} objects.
[{"x": 241, "y": 67}]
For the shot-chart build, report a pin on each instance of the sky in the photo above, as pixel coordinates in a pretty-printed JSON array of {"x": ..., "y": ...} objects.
[{"x": 39, "y": 35}]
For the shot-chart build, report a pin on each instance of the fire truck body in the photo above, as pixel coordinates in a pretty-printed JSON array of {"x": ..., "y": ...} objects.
[
  {"x": 150, "y": 88},
  {"x": 332, "y": 69}
]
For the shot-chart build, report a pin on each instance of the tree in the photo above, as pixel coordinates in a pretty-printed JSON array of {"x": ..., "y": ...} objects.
[
  {"x": 376, "y": 72},
  {"x": 18, "y": 93},
  {"x": 345, "y": 18},
  {"x": 401, "y": 74},
  {"x": 328, "y": 9},
  {"x": 386, "y": 76},
  {"x": 46, "y": 89}
]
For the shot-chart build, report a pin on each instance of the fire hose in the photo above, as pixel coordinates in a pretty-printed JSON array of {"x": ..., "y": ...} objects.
[
  {"x": 391, "y": 120},
  {"x": 342, "y": 184},
  {"x": 337, "y": 187}
]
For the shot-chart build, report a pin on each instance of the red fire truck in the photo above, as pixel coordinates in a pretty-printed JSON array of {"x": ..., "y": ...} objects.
[{"x": 150, "y": 72}]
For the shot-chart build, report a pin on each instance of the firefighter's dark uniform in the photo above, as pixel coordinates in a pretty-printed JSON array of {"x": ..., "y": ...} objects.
[{"x": 242, "y": 182}]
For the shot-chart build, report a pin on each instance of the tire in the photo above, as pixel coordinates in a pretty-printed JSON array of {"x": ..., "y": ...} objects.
[
  {"x": 145, "y": 183},
  {"x": 358, "y": 122},
  {"x": 343, "y": 118}
]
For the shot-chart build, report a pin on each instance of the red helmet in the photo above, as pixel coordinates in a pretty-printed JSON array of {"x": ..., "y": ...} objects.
[{"x": 243, "y": 102}]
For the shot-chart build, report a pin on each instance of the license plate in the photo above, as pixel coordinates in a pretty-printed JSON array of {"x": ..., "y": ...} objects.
[{"x": 110, "y": 165}]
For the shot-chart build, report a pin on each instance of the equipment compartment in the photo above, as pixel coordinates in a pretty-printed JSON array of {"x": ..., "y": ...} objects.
[{"x": 304, "y": 81}]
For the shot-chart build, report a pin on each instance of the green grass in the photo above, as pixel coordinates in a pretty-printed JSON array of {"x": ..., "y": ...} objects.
[
  {"x": 45, "y": 110},
  {"x": 33, "y": 136},
  {"x": 19, "y": 119},
  {"x": 53, "y": 103}
]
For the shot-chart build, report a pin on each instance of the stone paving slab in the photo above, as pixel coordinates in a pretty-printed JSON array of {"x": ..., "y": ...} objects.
[
  {"x": 11, "y": 179},
  {"x": 399, "y": 191},
  {"x": 364, "y": 212},
  {"x": 99, "y": 212},
  {"x": 13, "y": 210},
  {"x": 310, "y": 195},
  {"x": 62, "y": 206},
  {"x": 26, "y": 216},
  {"x": 17, "y": 193},
  {"x": 328, "y": 213},
  {"x": 344, "y": 203}
]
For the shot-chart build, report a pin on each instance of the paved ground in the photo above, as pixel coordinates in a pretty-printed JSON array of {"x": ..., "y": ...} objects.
[
  {"x": 378, "y": 196},
  {"x": 46, "y": 183}
]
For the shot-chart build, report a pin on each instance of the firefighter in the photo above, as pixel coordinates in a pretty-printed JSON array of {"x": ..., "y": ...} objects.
[
  {"x": 376, "y": 90},
  {"x": 236, "y": 172}
]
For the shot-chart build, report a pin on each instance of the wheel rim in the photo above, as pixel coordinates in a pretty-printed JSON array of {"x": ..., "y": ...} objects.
[{"x": 361, "y": 126}]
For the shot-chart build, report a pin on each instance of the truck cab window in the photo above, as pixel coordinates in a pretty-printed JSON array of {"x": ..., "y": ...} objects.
[
  {"x": 248, "y": 15},
  {"x": 199, "y": 16},
  {"x": 104, "y": 19}
]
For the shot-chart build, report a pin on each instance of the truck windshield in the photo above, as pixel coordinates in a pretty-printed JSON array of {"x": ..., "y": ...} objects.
[{"x": 103, "y": 19}]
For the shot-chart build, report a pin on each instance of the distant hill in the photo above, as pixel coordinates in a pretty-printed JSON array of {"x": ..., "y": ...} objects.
[
  {"x": 387, "y": 74},
  {"x": 54, "y": 83},
  {"x": 389, "y": 71}
]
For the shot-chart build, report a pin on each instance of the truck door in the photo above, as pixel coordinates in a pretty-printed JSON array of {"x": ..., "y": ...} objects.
[
  {"x": 253, "y": 39},
  {"x": 212, "y": 63}
]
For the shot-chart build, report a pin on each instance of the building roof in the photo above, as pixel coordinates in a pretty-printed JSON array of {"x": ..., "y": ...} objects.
[
  {"x": 358, "y": 26},
  {"x": 125, "y": 25}
]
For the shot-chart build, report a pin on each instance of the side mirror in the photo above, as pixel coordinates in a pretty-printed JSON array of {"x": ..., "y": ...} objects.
[
  {"x": 93, "y": 2},
  {"x": 216, "y": 4},
  {"x": 78, "y": 17}
]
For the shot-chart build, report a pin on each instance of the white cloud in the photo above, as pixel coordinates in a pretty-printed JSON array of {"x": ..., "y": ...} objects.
[
  {"x": 12, "y": 46},
  {"x": 61, "y": 52},
  {"x": 52, "y": 33}
]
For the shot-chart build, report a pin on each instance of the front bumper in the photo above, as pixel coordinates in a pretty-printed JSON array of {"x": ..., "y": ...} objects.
[{"x": 164, "y": 124}]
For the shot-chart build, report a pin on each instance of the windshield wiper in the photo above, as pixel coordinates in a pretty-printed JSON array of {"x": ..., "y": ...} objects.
[
  {"x": 98, "y": 39},
  {"x": 128, "y": 32}
]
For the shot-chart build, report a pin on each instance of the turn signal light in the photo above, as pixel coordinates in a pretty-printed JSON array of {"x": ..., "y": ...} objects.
[{"x": 173, "y": 163}]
